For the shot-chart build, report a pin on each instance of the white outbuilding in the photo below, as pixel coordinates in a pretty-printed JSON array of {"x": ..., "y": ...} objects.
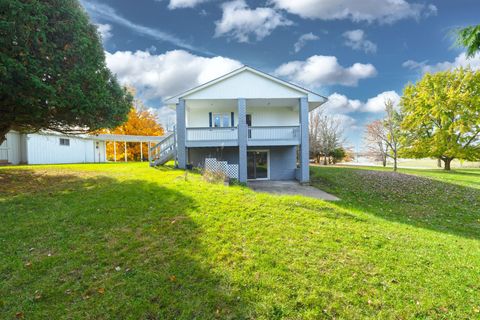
[{"x": 54, "y": 148}]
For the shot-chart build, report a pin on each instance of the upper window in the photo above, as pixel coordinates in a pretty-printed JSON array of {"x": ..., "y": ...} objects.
[
  {"x": 221, "y": 120},
  {"x": 64, "y": 142}
]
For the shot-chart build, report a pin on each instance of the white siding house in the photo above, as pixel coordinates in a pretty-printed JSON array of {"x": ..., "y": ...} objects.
[{"x": 248, "y": 120}]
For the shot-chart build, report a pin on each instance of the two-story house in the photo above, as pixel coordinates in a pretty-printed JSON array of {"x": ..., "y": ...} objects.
[{"x": 247, "y": 118}]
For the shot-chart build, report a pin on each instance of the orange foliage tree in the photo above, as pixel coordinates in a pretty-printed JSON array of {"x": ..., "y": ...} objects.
[{"x": 141, "y": 122}]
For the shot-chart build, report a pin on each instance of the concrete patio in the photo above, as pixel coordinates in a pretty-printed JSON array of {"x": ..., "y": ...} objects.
[{"x": 290, "y": 188}]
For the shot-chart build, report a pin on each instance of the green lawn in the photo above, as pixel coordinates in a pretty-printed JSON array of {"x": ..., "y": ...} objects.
[{"x": 120, "y": 241}]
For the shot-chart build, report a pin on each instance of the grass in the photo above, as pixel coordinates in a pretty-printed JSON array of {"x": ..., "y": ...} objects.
[
  {"x": 126, "y": 241},
  {"x": 425, "y": 163},
  {"x": 435, "y": 199}
]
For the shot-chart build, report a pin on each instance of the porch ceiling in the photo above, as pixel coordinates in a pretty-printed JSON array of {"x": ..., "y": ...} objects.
[{"x": 232, "y": 103}]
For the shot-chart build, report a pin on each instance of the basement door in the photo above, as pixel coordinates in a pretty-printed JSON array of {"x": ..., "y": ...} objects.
[{"x": 258, "y": 165}]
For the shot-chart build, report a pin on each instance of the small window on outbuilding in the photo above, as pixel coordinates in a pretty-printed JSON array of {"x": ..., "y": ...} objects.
[{"x": 64, "y": 142}]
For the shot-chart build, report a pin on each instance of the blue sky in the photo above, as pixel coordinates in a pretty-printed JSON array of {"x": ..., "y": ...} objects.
[{"x": 357, "y": 53}]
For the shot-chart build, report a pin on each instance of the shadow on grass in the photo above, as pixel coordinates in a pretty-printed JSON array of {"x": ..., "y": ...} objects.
[
  {"x": 415, "y": 200},
  {"x": 95, "y": 247},
  {"x": 473, "y": 172}
]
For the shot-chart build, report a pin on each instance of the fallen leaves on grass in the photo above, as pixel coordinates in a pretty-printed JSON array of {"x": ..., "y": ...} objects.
[{"x": 37, "y": 295}]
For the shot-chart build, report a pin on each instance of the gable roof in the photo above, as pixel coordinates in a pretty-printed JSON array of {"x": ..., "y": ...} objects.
[{"x": 311, "y": 95}]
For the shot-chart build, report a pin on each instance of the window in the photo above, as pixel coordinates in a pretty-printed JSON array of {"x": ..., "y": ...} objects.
[
  {"x": 221, "y": 120},
  {"x": 64, "y": 142}
]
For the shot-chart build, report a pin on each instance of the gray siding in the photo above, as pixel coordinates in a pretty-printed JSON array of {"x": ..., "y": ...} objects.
[
  {"x": 304, "y": 144},
  {"x": 242, "y": 139},
  {"x": 197, "y": 156},
  {"x": 283, "y": 162},
  {"x": 181, "y": 134}
]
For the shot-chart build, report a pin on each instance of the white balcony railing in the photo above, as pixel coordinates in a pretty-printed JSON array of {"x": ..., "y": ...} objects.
[
  {"x": 287, "y": 134},
  {"x": 212, "y": 134},
  {"x": 290, "y": 133}
]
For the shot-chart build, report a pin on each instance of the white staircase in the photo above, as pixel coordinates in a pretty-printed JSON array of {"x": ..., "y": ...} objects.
[{"x": 163, "y": 151}]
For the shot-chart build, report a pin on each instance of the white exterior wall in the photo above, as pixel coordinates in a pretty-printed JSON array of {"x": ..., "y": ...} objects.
[
  {"x": 273, "y": 116},
  {"x": 261, "y": 116},
  {"x": 245, "y": 85},
  {"x": 46, "y": 149},
  {"x": 198, "y": 117},
  {"x": 23, "y": 148},
  {"x": 10, "y": 149}
]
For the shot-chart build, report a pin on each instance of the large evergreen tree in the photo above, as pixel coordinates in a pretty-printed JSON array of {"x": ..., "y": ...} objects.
[
  {"x": 441, "y": 116},
  {"x": 53, "y": 71}
]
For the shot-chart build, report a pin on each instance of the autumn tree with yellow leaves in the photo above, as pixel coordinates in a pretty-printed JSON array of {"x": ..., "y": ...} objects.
[{"x": 141, "y": 122}]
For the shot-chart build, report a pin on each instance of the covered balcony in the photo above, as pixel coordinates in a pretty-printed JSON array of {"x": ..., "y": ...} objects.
[{"x": 215, "y": 122}]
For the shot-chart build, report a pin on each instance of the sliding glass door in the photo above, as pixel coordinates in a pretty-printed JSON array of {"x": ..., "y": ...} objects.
[{"x": 257, "y": 165}]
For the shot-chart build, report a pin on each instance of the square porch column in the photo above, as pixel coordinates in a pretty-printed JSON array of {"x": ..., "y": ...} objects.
[
  {"x": 242, "y": 139},
  {"x": 304, "y": 143},
  {"x": 181, "y": 134}
]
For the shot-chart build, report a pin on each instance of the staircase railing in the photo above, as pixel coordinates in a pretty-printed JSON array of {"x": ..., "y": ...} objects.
[{"x": 163, "y": 151}]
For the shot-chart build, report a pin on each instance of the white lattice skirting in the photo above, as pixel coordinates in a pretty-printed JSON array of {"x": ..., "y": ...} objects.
[{"x": 230, "y": 170}]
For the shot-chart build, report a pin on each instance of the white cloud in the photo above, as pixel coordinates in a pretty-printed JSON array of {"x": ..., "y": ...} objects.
[
  {"x": 240, "y": 22},
  {"x": 159, "y": 76},
  {"x": 382, "y": 11},
  {"x": 377, "y": 104},
  {"x": 357, "y": 40},
  {"x": 324, "y": 70},
  {"x": 166, "y": 116},
  {"x": 349, "y": 123},
  {"x": 341, "y": 104},
  {"x": 177, "y": 4},
  {"x": 107, "y": 13},
  {"x": 460, "y": 61},
  {"x": 338, "y": 103},
  {"x": 105, "y": 31},
  {"x": 152, "y": 49},
  {"x": 302, "y": 41}
]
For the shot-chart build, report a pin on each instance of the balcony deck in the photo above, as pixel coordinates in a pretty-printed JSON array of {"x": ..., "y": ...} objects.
[
  {"x": 273, "y": 136},
  {"x": 228, "y": 136},
  {"x": 212, "y": 137}
]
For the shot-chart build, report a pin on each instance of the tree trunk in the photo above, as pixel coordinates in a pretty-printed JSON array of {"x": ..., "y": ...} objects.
[
  {"x": 395, "y": 167},
  {"x": 325, "y": 160},
  {"x": 384, "y": 160},
  {"x": 439, "y": 162},
  {"x": 447, "y": 162},
  {"x": 3, "y": 132}
]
